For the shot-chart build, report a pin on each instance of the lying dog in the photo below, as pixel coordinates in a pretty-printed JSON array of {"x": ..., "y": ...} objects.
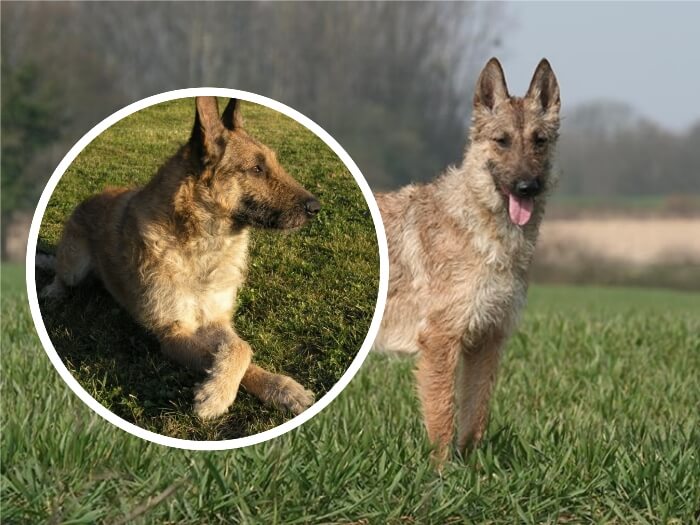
[{"x": 174, "y": 253}]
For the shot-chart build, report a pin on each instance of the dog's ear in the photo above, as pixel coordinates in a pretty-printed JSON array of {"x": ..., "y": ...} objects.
[
  {"x": 544, "y": 88},
  {"x": 207, "y": 133},
  {"x": 491, "y": 87},
  {"x": 232, "y": 117}
]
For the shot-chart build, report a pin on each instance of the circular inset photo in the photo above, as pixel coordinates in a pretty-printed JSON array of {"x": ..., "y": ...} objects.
[{"x": 204, "y": 268}]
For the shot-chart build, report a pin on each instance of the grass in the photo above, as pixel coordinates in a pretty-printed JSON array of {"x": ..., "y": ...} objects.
[
  {"x": 603, "y": 300},
  {"x": 306, "y": 307},
  {"x": 596, "y": 269},
  {"x": 595, "y": 420},
  {"x": 564, "y": 206},
  {"x": 12, "y": 280},
  {"x": 610, "y": 202}
]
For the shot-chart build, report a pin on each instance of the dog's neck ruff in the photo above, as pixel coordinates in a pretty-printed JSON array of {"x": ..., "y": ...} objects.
[{"x": 468, "y": 195}]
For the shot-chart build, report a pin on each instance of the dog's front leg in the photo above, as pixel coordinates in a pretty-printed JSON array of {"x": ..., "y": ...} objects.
[
  {"x": 218, "y": 350},
  {"x": 476, "y": 376},
  {"x": 277, "y": 390},
  {"x": 436, "y": 377},
  {"x": 218, "y": 392}
]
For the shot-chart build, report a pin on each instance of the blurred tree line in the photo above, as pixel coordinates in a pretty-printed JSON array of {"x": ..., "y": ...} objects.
[
  {"x": 391, "y": 81},
  {"x": 607, "y": 149}
]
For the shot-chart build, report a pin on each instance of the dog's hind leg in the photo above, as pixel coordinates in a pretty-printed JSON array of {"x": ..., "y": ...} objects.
[
  {"x": 278, "y": 390},
  {"x": 476, "y": 376},
  {"x": 435, "y": 377},
  {"x": 73, "y": 261},
  {"x": 219, "y": 351}
]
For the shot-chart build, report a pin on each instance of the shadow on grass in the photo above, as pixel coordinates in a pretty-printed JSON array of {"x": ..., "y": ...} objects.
[{"x": 120, "y": 364}]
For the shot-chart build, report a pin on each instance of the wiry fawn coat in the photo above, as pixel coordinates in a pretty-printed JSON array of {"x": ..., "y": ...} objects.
[
  {"x": 175, "y": 252},
  {"x": 458, "y": 262}
]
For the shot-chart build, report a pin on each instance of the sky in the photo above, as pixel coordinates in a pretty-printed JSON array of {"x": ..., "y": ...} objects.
[{"x": 645, "y": 54}]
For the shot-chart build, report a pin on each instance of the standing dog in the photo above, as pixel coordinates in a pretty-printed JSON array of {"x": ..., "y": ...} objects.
[
  {"x": 459, "y": 252},
  {"x": 174, "y": 253}
]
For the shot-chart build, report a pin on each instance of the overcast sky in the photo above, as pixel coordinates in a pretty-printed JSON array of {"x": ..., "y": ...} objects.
[{"x": 647, "y": 54}]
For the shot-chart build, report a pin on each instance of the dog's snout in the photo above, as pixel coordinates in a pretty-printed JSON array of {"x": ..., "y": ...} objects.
[
  {"x": 528, "y": 187},
  {"x": 312, "y": 207}
]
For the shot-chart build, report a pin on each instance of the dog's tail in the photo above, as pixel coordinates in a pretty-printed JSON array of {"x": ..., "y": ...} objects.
[{"x": 45, "y": 261}]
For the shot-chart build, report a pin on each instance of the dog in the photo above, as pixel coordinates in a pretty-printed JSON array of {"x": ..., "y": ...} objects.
[
  {"x": 174, "y": 252},
  {"x": 459, "y": 252}
]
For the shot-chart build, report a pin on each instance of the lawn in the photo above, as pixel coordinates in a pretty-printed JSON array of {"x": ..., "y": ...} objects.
[
  {"x": 686, "y": 205},
  {"x": 595, "y": 421},
  {"x": 306, "y": 308}
]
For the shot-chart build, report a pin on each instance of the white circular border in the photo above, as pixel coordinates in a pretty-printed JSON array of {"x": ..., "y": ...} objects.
[{"x": 184, "y": 443}]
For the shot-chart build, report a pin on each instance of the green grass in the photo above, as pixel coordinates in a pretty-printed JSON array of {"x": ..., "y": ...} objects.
[
  {"x": 568, "y": 206},
  {"x": 594, "y": 420},
  {"x": 596, "y": 269},
  {"x": 632, "y": 202},
  {"x": 306, "y": 307},
  {"x": 12, "y": 278},
  {"x": 600, "y": 300}
]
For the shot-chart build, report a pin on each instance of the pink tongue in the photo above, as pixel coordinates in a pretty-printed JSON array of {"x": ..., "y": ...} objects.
[{"x": 520, "y": 209}]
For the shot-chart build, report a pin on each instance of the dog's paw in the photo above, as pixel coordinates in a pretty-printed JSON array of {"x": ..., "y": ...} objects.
[
  {"x": 288, "y": 394},
  {"x": 53, "y": 291},
  {"x": 44, "y": 261},
  {"x": 439, "y": 456},
  {"x": 212, "y": 399}
]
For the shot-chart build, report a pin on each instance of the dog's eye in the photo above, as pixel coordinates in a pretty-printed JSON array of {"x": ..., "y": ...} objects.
[
  {"x": 257, "y": 168},
  {"x": 502, "y": 141},
  {"x": 540, "y": 140}
]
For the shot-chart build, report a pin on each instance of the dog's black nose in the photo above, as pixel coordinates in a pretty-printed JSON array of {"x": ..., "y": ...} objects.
[
  {"x": 528, "y": 188},
  {"x": 312, "y": 207}
]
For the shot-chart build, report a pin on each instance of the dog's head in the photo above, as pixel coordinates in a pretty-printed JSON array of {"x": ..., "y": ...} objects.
[
  {"x": 516, "y": 136},
  {"x": 240, "y": 178}
]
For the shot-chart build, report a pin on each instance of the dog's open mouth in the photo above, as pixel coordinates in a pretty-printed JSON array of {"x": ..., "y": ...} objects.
[
  {"x": 520, "y": 209},
  {"x": 520, "y": 203}
]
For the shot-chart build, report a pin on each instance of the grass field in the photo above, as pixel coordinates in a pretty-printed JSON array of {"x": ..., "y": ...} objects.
[
  {"x": 595, "y": 421},
  {"x": 564, "y": 206},
  {"x": 613, "y": 251},
  {"x": 305, "y": 309}
]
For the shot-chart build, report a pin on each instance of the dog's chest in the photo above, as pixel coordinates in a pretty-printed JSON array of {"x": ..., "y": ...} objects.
[
  {"x": 470, "y": 297},
  {"x": 198, "y": 286},
  {"x": 492, "y": 302},
  {"x": 217, "y": 277}
]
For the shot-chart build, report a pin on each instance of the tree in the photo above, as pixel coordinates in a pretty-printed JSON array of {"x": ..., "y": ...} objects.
[
  {"x": 391, "y": 81},
  {"x": 607, "y": 149},
  {"x": 29, "y": 124}
]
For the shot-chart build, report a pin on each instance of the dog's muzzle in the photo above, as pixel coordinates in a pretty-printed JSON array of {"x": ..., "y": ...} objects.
[
  {"x": 528, "y": 187},
  {"x": 312, "y": 207}
]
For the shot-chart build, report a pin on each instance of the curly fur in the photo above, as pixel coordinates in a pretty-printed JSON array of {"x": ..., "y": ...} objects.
[
  {"x": 458, "y": 277},
  {"x": 175, "y": 252}
]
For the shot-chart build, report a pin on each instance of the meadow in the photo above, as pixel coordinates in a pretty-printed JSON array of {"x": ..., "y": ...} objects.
[
  {"x": 563, "y": 206},
  {"x": 595, "y": 420},
  {"x": 623, "y": 249},
  {"x": 305, "y": 309}
]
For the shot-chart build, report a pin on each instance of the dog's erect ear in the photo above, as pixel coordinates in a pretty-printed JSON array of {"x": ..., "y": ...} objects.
[
  {"x": 232, "y": 117},
  {"x": 491, "y": 87},
  {"x": 207, "y": 132},
  {"x": 544, "y": 87}
]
